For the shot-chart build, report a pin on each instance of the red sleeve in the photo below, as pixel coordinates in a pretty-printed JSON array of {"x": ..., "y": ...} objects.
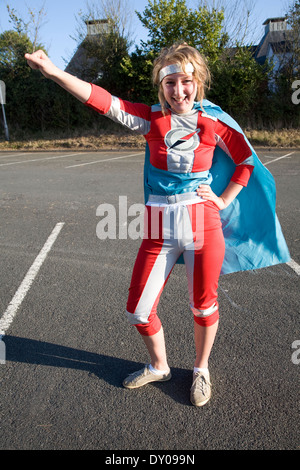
[
  {"x": 135, "y": 116},
  {"x": 100, "y": 100},
  {"x": 242, "y": 174},
  {"x": 235, "y": 145}
]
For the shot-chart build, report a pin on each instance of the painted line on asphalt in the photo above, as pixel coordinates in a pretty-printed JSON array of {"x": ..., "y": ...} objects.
[
  {"x": 42, "y": 159},
  {"x": 9, "y": 315},
  {"x": 292, "y": 264},
  {"x": 15, "y": 154},
  {"x": 232, "y": 302},
  {"x": 106, "y": 160},
  {"x": 279, "y": 158},
  {"x": 295, "y": 266}
]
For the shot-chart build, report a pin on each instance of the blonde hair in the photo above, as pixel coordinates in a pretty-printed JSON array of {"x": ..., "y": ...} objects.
[{"x": 182, "y": 54}]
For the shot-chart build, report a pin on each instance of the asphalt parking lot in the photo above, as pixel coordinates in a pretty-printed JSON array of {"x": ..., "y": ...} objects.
[{"x": 66, "y": 344}]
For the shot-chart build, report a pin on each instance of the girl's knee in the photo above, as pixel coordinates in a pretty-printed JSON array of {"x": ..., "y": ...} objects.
[
  {"x": 147, "y": 325},
  {"x": 149, "y": 329},
  {"x": 206, "y": 317}
]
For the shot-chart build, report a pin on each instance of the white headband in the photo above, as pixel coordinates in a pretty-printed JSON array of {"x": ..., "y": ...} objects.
[{"x": 174, "y": 68}]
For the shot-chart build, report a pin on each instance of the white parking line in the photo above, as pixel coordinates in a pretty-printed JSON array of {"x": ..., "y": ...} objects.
[
  {"x": 279, "y": 158},
  {"x": 42, "y": 159},
  {"x": 295, "y": 266},
  {"x": 20, "y": 294},
  {"x": 292, "y": 264},
  {"x": 15, "y": 154},
  {"x": 106, "y": 160},
  {"x": 234, "y": 304}
]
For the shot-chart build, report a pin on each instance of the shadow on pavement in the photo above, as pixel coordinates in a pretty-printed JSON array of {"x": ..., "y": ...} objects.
[{"x": 111, "y": 369}]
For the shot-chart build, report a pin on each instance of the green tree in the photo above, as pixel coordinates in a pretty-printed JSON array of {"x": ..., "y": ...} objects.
[
  {"x": 137, "y": 77},
  {"x": 285, "y": 112},
  {"x": 240, "y": 85},
  {"x": 293, "y": 18},
  {"x": 169, "y": 21},
  {"x": 26, "y": 93},
  {"x": 13, "y": 46},
  {"x": 32, "y": 102},
  {"x": 101, "y": 53}
]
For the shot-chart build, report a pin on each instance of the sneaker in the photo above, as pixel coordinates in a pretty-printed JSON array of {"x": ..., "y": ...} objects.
[
  {"x": 143, "y": 377},
  {"x": 200, "y": 390}
]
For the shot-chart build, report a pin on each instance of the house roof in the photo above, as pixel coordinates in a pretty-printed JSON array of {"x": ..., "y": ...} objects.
[
  {"x": 280, "y": 41},
  {"x": 274, "y": 20}
]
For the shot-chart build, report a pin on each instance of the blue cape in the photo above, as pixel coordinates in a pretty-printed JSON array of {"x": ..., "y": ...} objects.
[{"x": 252, "y": 232}]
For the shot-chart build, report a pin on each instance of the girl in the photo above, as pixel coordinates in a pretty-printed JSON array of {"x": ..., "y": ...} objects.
[{"x": 182, "y": 212}]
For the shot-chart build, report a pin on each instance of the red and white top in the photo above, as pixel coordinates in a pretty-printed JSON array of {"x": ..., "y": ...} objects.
[{"x": 181, "y": 145}]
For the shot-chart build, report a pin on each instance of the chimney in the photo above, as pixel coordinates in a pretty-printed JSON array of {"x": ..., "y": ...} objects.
[
  {"x": 96, "y": 27},
  {"x": 275, "y": 24}
]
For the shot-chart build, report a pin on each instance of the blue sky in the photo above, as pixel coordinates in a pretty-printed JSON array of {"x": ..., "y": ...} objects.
[{"x": 60, "y": 21}]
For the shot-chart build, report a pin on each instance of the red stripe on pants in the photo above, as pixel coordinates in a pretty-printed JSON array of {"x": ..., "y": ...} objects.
[{"x": 157, "y": 257}]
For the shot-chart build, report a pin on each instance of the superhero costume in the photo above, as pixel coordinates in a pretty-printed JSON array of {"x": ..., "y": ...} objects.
[{"x": 204, "y": 146}]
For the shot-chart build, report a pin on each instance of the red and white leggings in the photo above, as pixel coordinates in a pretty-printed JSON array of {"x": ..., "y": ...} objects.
[{"x": 193, "y": 230}]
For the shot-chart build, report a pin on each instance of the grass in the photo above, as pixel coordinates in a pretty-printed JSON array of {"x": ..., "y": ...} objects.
[
  {"x": 286, "y": 138},
  {"x": 120, "y": 140},
  {"x": 103, "y": 140}
]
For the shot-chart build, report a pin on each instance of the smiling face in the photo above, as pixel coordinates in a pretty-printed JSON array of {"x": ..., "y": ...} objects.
[
  {"x": 181, "y": 74},
  {"x": 180, "y": 90}
]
